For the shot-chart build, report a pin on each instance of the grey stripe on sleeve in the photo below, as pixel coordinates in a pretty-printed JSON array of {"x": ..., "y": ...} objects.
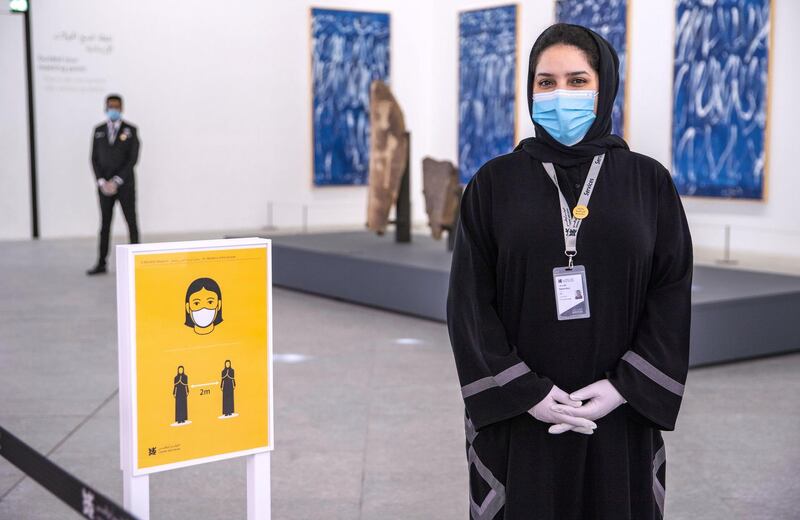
[
  {"x": 510, "y": 374},
  {"x": 656, "y": 375},
  {"x": 477, "y": 387},
  {"x": 501, "y": 379}
]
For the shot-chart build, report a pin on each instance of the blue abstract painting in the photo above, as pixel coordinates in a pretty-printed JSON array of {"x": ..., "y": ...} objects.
[
  {"x": 609, "y": 19},
  {"x": 486, "y": 86},
  {"x": 349, "y": 50},
  {"x": 720, "y": 97}
]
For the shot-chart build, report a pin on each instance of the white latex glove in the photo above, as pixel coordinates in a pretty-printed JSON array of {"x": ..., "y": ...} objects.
[
  {"x": 559, "y": 428},
  {"x": 108, "y": 188},
  {"x": 545, "y": 411},
  {"x": 602, "y": 399},
  {"x": 111, "y": 188}
]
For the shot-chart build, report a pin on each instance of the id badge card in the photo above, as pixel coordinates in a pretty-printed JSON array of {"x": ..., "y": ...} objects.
[{"x": 572, "y": 299}]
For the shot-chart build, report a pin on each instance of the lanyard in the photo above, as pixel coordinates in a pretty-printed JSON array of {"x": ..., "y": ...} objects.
[{"x": 571, "y": 220}]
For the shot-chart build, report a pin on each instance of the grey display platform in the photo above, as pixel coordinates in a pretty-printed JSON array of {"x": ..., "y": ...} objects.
[{"x": 735, "y": 314}]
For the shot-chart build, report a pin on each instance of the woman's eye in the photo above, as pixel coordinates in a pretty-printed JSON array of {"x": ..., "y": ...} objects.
[
  {"x": 544, "y": 83},
  {"x": 579, "y": 81}
]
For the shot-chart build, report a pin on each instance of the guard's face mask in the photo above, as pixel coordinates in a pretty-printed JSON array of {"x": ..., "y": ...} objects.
[
  {"x": 113, "y": 114},
  {"x": 565, "y": 114}
]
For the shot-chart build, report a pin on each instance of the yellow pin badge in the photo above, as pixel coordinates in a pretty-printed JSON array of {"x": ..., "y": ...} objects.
[{"x": 580, "y": 212}]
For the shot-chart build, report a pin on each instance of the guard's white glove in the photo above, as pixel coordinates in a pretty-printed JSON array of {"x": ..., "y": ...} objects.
[
  {"x": 108, "y": 188},
  {"x": 545, "y": 411},
  {"x": 601, "y": 399}
]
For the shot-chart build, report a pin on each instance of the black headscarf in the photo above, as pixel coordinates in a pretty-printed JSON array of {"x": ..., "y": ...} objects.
[{"x": 598, "y": 139}]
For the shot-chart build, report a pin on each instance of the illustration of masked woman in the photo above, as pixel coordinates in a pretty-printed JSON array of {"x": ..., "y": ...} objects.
[
  {"x": 228, "y": 384},
  {"x": 180, "y": 390},
  {"x": 203, "y": 306}
]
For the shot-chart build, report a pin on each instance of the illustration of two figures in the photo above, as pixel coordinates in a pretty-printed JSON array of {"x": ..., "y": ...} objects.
[{"x": 180, "y": 391}]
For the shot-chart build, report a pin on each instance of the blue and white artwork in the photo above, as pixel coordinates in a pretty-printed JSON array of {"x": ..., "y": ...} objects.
[
  {"x": 486, "y": 86},
  {"x": 720, "y": 97},
  {"x": 349, "y": 50},
  {"x": 608, "y": 18}
]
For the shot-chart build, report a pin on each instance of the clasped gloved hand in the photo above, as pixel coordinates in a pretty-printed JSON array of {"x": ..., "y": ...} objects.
[
  {"x": 548, "y": 411},
  {"x": 601, "y": 399}
]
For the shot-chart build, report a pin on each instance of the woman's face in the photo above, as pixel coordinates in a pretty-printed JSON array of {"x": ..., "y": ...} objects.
[
  {"x": 564, "y": 67},
  {"x": 203, "y": 299},
  {"x": 180, "y": 370},
  {"x": 227, "y": 364}
]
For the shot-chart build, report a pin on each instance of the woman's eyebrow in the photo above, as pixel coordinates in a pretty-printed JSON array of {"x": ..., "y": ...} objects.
[{"x": 549, "y": 75}]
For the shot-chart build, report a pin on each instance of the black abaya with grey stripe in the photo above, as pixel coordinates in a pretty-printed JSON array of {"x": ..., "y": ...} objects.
[{"x": 510, "y": 348}]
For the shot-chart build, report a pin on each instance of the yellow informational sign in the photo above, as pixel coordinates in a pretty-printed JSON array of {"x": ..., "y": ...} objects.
[{"x": 200, "y": 376}]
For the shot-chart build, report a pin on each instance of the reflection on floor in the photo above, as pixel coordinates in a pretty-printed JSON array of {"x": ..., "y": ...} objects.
[{"x": 368, "y": 414}]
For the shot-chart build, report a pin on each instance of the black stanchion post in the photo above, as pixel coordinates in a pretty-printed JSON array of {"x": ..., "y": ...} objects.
[
  {"x": 24, "y": 11},
  {"x": 403, "y": 207},
  {"x": 31, "y": 126}
]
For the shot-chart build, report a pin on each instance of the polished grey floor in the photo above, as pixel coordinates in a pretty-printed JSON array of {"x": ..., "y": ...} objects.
[{"x": 368, "y": 424}]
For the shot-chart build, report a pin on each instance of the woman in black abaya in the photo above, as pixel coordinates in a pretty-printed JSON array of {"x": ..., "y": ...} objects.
[
  {"x": 227, "y": 384},
  {"x": 180, "y": 391},
  {"x": 569, "y": 305}
]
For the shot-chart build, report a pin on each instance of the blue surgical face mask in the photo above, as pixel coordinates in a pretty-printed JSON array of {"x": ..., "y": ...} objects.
[
  {"x": 113, "y": 114},
  {"x": 566, "y": 114}
]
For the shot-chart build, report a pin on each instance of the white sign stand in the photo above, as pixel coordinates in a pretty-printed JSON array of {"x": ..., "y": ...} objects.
[
  {"x": 259, "y": 496},
  {"x": 136, "y": 488},
  {"x": 136, "y": 495}
]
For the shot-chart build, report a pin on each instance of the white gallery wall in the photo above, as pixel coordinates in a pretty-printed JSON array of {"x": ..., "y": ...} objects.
[
  {"x": 195, "y": 82},
  {"x": 15, "y": 201},
  {"x": 222, "y": 101}
]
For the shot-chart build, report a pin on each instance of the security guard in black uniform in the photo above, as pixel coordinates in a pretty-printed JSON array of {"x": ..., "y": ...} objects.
[{"x": 115, "y": 150}]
